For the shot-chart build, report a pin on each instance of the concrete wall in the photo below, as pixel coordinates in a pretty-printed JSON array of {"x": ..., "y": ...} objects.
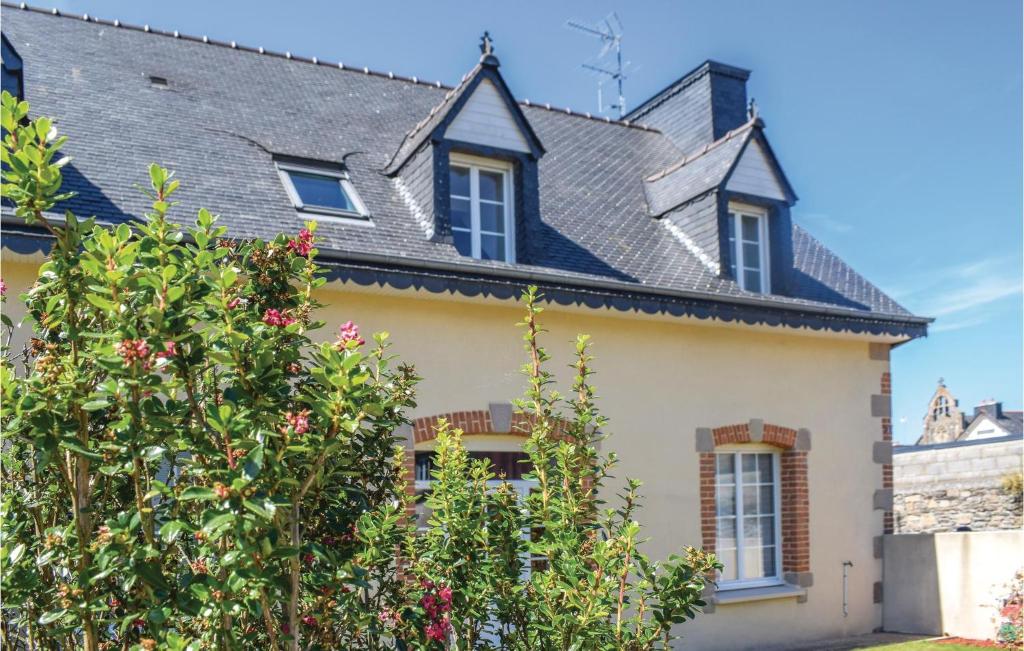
[
  {"x": 948, "y": 583},
  {"x": 659, "y": 379},
  {"x": 941, "y": 488}
]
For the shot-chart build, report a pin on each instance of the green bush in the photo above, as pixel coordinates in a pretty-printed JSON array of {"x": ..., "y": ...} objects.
[{"x": 186, "y": 469}]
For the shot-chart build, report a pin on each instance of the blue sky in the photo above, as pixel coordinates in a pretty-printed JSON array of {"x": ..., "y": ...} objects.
[{"x": 898, "y": 123}]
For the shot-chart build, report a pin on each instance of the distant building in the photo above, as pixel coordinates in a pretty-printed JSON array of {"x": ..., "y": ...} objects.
[{"x": 945, "y": 423}]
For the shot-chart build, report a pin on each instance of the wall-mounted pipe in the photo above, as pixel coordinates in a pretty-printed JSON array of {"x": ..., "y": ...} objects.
[{"x": 846, "y": 582}]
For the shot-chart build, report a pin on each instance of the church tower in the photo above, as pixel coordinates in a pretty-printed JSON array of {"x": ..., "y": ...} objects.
[{"x": 944, "y": 421}]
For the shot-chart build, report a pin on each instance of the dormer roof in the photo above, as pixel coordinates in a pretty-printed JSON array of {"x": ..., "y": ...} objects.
[
  {"x": 716, "y": 166},
  {"x": 482, "y": 84}
]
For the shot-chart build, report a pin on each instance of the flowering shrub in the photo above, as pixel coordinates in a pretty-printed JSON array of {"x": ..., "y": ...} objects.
[
  {"x": 1011, "y": 614},
  {"x": 186, "y": 469},
  {"x": 183, "y": 466}
]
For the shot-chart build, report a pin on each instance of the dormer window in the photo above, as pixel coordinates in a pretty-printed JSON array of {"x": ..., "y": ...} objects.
[
  {"x": 321, "y": 190},
  {"x": 748, "y": 247},
  {"x": 481, "y": 208}
]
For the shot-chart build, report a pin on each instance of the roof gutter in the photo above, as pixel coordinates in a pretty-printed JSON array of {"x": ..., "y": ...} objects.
[{"x": 341, "y": 256}]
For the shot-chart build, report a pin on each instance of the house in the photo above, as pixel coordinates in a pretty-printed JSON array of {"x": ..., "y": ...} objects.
[
  {"x": 959, "y": 474},
  {"x": 944, "y": 422},
  {"x": 743, "y": 365}
]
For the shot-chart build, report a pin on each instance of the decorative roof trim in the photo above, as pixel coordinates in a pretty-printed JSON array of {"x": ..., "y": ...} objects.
[
  {"x": 421, "y": 217},
  {"x": 692, "y": 247},
  {"x": 368, "y": 270},
  {"x": 233, "y": 45}
]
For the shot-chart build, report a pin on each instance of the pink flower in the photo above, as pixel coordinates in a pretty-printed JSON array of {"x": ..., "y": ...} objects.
[
  {"x": 233, "y": 303},
  {"x": 168, "y": 351},
  {"x": 445, "y": 594},
  {"x": 299, "y": 422},
  {"x": 437, "y": 630},
  {"x": 277, "y": 318},
  {"x": 133, "y": 350},
  {"x": 349, "y": 332},
  {"x": 309, "y": 620},
  {"x": 3, "y": 287},
  {"x": 303, "y": 244}
]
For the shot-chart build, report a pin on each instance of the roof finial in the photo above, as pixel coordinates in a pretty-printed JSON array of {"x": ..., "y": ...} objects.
[
  {"x": 752, "y": 109},
  {"x": 942, "y": 381},
  {"x": 487, "y": 57}
]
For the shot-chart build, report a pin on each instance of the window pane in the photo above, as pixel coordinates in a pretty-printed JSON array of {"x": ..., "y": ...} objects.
[
  {"x": 459, "y": 180},
  {"x": 767, "y": 530},
  {"x": 751, "y": 255},
  {"x": 492, "y": 217},
  {"x": 319, "y": 191},
  {"x": 768, "y": 561},
  {"x": 725, "y": 470},
  {"x": 750, "y": 229},
  {"x": 726, "y": 500},
  {"x": 750, "y": 500},
  {"x": 460, "y": 213},
  {"x": 752, "y": 280},
  {"x": 492, "y": 247},
  {"x": 728, "y": 560},
  {"x": 767, "y": 503},
  {"x": 492, "y": 186},
  {"x": 753, "y": 563},
  {"x": 749, "y": 468},
  {"x": 463, "y": 242},
  {"x": 726, "y": 533},
  {"x": 751, "y": 531},
  {"x": 765, "y": 468}
]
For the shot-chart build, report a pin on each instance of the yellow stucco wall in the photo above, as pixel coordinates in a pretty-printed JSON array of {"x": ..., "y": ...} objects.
[{"x": 659, "y": 379}]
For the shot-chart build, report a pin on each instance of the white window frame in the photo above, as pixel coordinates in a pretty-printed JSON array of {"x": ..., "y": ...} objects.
[
  {"x": 360, "y": 215},
  {"x": 475, "y": 165},
  {"x": 736, "y": 213},
  {"x": 736, "y": 452}
]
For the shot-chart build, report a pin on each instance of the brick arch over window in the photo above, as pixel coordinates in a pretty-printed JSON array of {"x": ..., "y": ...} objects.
[
  {"x": 794, "y": 445},
  {"x": 498, "y": 418}
]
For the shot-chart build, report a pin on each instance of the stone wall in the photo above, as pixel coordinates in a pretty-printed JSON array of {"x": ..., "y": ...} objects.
[{"x": 943, "y": 487}]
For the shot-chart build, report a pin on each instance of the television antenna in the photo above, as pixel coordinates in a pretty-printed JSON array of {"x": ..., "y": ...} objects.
[{"x": 609, "y": 31}]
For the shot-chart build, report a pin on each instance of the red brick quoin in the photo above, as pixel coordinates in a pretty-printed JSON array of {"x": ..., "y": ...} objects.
[{"x": 795, "y": 516}]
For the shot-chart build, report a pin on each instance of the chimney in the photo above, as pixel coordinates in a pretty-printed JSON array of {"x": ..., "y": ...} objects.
[
  {"x": 699, "y": 108},
  {"x": 990, "y": 408}
]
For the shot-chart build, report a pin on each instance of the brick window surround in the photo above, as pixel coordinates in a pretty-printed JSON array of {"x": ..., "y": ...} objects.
[
  {"x": 498, "y": 418},
  {"x": 794, "y": 445}
]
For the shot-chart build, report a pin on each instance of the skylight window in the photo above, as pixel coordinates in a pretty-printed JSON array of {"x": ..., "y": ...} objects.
[{"x": 321, "y": 190}]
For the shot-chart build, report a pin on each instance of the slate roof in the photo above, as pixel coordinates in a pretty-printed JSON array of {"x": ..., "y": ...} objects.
[
  {"x": 697, "y": 172},
  {"x": 1011, "y": 421},
  {"x": 228, "y": 109}
]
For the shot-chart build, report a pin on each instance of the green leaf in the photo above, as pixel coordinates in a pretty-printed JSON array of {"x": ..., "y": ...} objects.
[
  {"x": 169, "y": 531},
  {"x": 263, "y": 508},
  {"x": 96, "y": 405},
  {"x": 253, "y": 463},
  {"x": 78, "y": 448},
  {"x": 16, "y": 554},
  {"x": 197, "y": 493},
  {"x": 218, "y": 521},
  {"x": 51, "y": 617},
  {"x": 101, "y": 302},
  {"x": 151, "y": 574}
]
